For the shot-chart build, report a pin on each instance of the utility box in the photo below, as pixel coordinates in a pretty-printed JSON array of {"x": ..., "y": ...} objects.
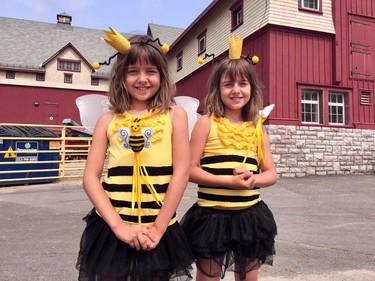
[{"x": 29, "y": 154}]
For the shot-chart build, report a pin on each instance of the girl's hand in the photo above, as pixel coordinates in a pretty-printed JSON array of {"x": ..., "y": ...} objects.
[
  {"x": 132, "y": 234},
  {"x": 242, "y": 178},
  {"x": 153, "y": 237}
]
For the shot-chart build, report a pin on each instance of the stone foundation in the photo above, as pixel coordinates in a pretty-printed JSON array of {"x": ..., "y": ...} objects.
[{"x": 300, "y": 151}]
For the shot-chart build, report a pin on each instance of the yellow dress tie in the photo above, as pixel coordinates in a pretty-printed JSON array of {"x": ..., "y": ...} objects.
[{"x": 263, "y": 115}]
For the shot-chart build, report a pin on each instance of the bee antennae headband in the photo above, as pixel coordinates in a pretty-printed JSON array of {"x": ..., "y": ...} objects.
[{"x": 122, "y": 45}]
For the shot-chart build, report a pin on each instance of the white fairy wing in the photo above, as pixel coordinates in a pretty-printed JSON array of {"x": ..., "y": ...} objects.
[
  {"x": 266, "y": 111},
  {"x": 190, "y": 105},
  {"x": 91, "y": 107}
]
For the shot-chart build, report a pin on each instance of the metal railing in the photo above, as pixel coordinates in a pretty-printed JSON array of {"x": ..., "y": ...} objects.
[{"x": 33, "y": 159}]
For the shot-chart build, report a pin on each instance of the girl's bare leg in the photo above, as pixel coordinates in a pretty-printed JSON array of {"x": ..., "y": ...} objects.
[
  {"x": 252, "y": 275},
  {"x": 207, "y": 268},
  {"x": 251, "y": 271}
]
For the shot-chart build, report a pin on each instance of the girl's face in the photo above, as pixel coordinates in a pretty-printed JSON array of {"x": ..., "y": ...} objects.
[
  {"x": 142, "y": 81},
  {"x": 234, "y": 94}
]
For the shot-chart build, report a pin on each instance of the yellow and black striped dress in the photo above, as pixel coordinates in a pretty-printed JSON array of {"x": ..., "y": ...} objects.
[
  {"x": 226, "y": 148},
  {"x": 139, "y": 165}
]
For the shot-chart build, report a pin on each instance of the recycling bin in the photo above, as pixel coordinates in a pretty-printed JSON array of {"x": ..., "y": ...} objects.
[{"x": 26, "y": 155}]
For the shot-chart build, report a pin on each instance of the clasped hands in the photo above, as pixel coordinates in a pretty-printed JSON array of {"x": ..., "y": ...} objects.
[
  {"x": 242, "y": 178},
  {"x": 138, "y": 236}
]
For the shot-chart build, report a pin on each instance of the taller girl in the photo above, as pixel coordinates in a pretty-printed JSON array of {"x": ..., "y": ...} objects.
[{"x": 133, "y": 233}]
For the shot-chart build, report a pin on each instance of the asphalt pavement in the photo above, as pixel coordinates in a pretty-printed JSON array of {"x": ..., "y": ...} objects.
[{"x": 326, "y": 229}]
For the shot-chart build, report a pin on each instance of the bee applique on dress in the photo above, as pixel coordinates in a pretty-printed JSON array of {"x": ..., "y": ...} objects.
[
  {"x": 138, "y": 137},
  {"x": 135, "y": 138}
]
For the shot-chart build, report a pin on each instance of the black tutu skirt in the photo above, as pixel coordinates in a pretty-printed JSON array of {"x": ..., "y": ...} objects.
[
  {"x": 240, "y": 240},
  {"x": 103, "y": 257}
]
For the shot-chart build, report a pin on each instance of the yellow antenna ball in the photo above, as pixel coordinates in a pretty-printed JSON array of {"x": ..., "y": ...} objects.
[
  {"x": 96, "y": 65},
  {"x": 200, "y": 60},
  {"x": 165, "y": 48},
  {"x": 255, "y": 59}
]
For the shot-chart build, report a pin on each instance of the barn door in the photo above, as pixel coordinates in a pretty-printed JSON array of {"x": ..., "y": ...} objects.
[
  {"x": 362, "y": 42},
  {"x": 52, "y": 112}
]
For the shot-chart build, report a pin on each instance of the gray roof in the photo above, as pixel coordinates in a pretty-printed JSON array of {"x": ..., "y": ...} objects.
[
  {"x": 166, "y": 34},
  {"x": 28, "y": 44}
]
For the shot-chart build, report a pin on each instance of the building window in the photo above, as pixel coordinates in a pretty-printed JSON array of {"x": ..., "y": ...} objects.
[
  {"x": 202, "y": 43},
  {"x": 237, "y": 14},
  {"x": 64, "y": 19},
  {"x": 324, "y": 107},
  {"x": 40, "y": 77},
  {"x": 311, "y": 106},
  {"x": 68, "y": 78},
  {"x": 94, "y": 81},
  {"x": 179, "y": 61},
  {"x": 10, "y": 74},
  {"x": 311, "y": 5},
  {"x": 336, "y": 108},
  {"x": 69, "y": 65}
]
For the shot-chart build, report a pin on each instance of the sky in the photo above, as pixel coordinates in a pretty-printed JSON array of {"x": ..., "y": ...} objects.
[{"x": 123, "y": 15}]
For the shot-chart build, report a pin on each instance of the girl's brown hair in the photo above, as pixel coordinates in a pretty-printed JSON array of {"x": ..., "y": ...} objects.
[
  {"x": 146, "y": 51},
  {"x": 234, "y": 69}
]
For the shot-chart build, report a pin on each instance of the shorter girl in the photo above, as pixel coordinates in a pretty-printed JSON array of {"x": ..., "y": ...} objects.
[
  {"x": 132, "y": 233},
  {"x": 231, "y": 161}
]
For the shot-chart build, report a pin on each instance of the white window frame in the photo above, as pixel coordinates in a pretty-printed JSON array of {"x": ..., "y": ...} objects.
[
  {"x": 337, "y": 105},
  {"x": 309, "y": 4},
  {"x": 315, "y": 105},
  {"x": 68, "y": 65},
  {"x": 179, "y": 61},
  {"x": 68, "y": 78},
  {"x": 202, "y": 44}
]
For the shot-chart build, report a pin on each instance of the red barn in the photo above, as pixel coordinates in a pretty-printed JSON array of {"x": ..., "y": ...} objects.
[{"x": 317, "y": 63}]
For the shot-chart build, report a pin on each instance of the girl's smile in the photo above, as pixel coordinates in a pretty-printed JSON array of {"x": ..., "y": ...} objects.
[
  {"x": 142, "y": 81},
  {"x": 236, "y": 93}
]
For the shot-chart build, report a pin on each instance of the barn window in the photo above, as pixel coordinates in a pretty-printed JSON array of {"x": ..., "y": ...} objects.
[
  {"x": 40, "y": 77},
  {"x": 336, "y": 108},
  {"x": 69, "y": 65},
  {"x": 201, "y": 43},
  {"x": 10, "y": 74},
  {"x": 237, "y": 14},
  {"x": 311, "y": 106},
  {"x": 324, "y": 107},
  {"x": 94, "y": 81},
  {"x": 68, "y": 78},
  {"x": 310, "y": 6},
  {"x": 179, "y": 61}
]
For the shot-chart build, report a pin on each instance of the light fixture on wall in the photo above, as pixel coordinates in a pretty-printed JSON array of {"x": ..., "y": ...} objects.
[{"x": 36, "y": 103}]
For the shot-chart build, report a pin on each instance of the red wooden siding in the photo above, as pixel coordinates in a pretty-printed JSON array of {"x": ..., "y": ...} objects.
[
  {"x": 355, "y": 51},
  {"x": 196, "y": 85},
  {"x": 17, "y": 105},
  {"x": 296, "y": 57}
]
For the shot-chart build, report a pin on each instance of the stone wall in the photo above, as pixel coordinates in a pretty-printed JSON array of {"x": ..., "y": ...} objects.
[{"x": 300, "y": 151}]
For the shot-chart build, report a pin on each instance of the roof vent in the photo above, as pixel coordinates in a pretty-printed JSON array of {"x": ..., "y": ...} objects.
[{"x": 64, "y": 18}]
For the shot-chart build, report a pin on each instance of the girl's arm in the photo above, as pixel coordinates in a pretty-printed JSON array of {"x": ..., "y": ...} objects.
[
  {"x": 197, "y": 174},
  {"x": 95, "y": 191},
  {"x": 179, "y": 179},
  {"x": 267, "y": 176}
]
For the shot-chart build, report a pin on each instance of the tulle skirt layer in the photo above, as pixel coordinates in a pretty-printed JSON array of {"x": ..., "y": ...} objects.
[
  {"x": 241, "y": 240},
  {"x": 103, "y": 257}
]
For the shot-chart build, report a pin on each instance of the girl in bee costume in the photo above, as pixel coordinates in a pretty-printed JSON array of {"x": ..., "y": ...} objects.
[
  {"x": 133, "y": 233},
  {"x": 230, "y": 226}
]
